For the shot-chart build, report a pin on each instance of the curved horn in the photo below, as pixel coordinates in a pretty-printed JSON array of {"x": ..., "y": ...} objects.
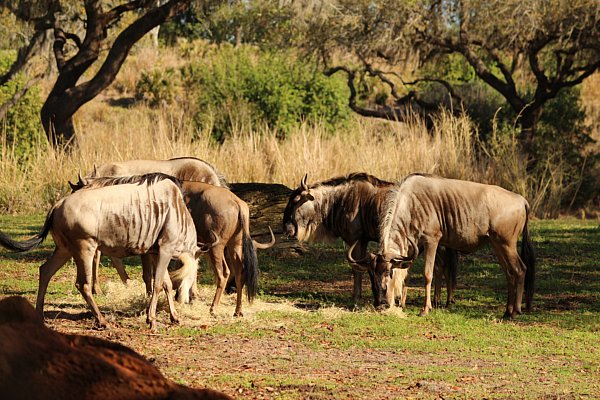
[
  {"x": 263, "y": 246},
  {"x": 82, "y": 181},
  {"x": 365, "y": 260},
  {"x": 303, "y": 184},
  {"x": 204, "y": 247}
]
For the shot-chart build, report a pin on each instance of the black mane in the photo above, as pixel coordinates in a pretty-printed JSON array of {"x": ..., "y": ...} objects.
[
  {"x": 148, "y": 179},
  {"x": 353, "y": 177}
]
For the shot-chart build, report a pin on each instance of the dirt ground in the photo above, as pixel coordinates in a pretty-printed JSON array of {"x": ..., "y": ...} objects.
[{"x": 273, "y": 367}]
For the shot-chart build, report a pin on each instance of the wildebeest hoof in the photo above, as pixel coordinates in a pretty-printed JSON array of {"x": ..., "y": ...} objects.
[
  {"x": 382, "y": 307},
  {"x": 101, "y": 325},
  {"x": 238, "y": 314},
  {"x": 507, "y": 316},
  {"x": 423, "y": 312},
  {"x": 175, "y": 321}
]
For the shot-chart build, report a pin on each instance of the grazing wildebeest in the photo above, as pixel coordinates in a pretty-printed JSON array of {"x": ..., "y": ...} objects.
[
  {"x": 38, "y": 363},
  {"x": 217, "y": 211},
  {"x": 396, "y": 288},
  {"x": 427, "y": 210},
  {"x": 347, "y": 207},
  {"x": 183, "y": 168},
  {"x": 120, "y": 217}
]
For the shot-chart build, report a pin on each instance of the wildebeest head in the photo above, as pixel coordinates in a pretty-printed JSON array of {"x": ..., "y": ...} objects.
[
  {"x": 299, "y": 214},
  {"x": 381, "y": 266},
  {"x": 79, "y": 185}
]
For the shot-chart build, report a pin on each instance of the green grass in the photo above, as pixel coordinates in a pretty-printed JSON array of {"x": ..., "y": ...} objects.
[{"x": 321, "y": 349}]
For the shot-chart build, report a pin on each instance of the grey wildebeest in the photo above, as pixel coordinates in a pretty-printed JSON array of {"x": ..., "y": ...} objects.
[
  {"x": 38, "y": 363},
  {"x": 427, "y": 210},
  {"x": 217, "y": 211},
  {"x": 183, "y": 168},
  {"x": 348, "y": 207},
  {"x": 123, "y": 217}
]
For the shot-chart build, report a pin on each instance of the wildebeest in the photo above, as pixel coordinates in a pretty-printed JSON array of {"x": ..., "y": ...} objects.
[
  {"x": 427, "y": 210},
  {"x": 123, "y": 217},
  {"x": 183, "y": 168},
  {"x": 38, "y": 363},
  {"x": 217, "y": 211},
  {"x": 347, "y": 207}
]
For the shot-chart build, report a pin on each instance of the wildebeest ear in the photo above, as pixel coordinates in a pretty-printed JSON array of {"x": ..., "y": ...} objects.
[
  {"x": 74, "y": 187},
  {"x": 303, "y": 184},
  {"x": 310, "y": 196},
  {"x": 95, "y": 173}
]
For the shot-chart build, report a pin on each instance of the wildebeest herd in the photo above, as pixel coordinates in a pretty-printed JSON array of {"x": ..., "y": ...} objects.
[{"x": 182, "y": 208}]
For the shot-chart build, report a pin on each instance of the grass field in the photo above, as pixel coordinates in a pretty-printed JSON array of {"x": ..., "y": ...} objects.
[{"x": 300, "y": 340}]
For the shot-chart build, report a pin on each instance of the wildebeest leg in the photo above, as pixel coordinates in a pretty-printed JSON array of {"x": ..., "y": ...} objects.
[
  {"x": 161, "y": 263},
  {"x": 450, "y": 261},
  {"x": 438, "y": 272},
  {"x": 84, "y": 259},
  {"x": 515, "y": 276},
  {"x": 118, "y": 264},
  {"x": 47, "y": 271},
  {"x": 359, "y": 252},
  {"x": 148, "y": 271},
  {"x": 430, "y": 250},
  {"x": 168, "y": 288},
  {"x": 502, "y": 251},
  {"x": 235, "y": 264},
  {"x": 96, "y": 289},
  {"x": 221, "y": 272}
]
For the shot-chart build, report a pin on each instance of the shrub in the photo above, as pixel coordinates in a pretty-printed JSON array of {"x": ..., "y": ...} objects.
[
  {"x": 157, "y": 87},
  {"x": 245, "y": 87},
  {"x": 20, "y": 129}
]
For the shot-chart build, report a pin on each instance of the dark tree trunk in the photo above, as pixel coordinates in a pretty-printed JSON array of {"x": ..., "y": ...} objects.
[
  {"x": 528, "y": 120},
  {"x": 67, "y": 96}
]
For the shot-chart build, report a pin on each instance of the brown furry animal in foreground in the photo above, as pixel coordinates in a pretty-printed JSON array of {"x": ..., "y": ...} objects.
[{"x": 39, "y": 363}]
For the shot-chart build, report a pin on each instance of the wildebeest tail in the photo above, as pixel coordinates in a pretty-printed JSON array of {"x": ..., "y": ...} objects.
[
  {"x": 450, "y": 259},
  {"x": 28, "y": 244},
  {"x": 250, "y": 262},
  {"x": 528, "y": 257}
]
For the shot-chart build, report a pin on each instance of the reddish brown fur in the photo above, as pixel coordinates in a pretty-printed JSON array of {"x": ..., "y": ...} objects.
[{"x": 39, "y": 363}]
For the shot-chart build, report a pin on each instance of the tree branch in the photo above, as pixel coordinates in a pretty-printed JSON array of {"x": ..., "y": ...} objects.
[
  {"x": 122, "y": 45},
  {"x": 23, "y": 56}
]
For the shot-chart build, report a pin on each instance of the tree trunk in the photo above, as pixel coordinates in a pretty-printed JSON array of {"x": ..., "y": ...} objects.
[
  {"x": 67, "y": 96},
  {"x": 528, "y": 120}
]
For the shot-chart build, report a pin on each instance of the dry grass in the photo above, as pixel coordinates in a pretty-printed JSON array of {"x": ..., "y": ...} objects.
[{"x": 389, "y": 150}]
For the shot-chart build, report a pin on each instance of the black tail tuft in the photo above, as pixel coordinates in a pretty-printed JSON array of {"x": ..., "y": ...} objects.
[
  {"x": 251, "y": 271},
  {"x": 32, "y": 243},
  {"x": 528, "y": 257}
]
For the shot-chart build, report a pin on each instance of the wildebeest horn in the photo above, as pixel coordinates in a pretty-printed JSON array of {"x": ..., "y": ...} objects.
[
  {"x": 303, "y": 184},
  {"x": 81, "y": 182},
  {"x": 204, "y": 247},
  {"x": 95, "y": 173},
  {"x": 263, "y": 246},
  {"x": 365, "y": 260}
]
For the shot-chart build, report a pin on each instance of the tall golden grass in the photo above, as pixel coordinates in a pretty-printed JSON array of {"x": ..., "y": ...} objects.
[{"x": 389, "y": 150}]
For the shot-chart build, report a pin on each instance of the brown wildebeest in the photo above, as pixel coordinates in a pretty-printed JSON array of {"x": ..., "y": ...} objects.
[
  {"x": 38, "y": 363},
  {"x": 183, "y": 168},
  {"x": 427, "y": 210},
  {"x": 349, "y": 207},
  {"x": 217, "y": 211},
  {"x": 122, "y": 217}
]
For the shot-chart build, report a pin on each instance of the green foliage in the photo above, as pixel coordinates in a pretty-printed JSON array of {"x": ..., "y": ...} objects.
[
  {"x": 20, "y": 128},
  {"x": 156, "y": 87},
  {"x": 242, "y": 86}
]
